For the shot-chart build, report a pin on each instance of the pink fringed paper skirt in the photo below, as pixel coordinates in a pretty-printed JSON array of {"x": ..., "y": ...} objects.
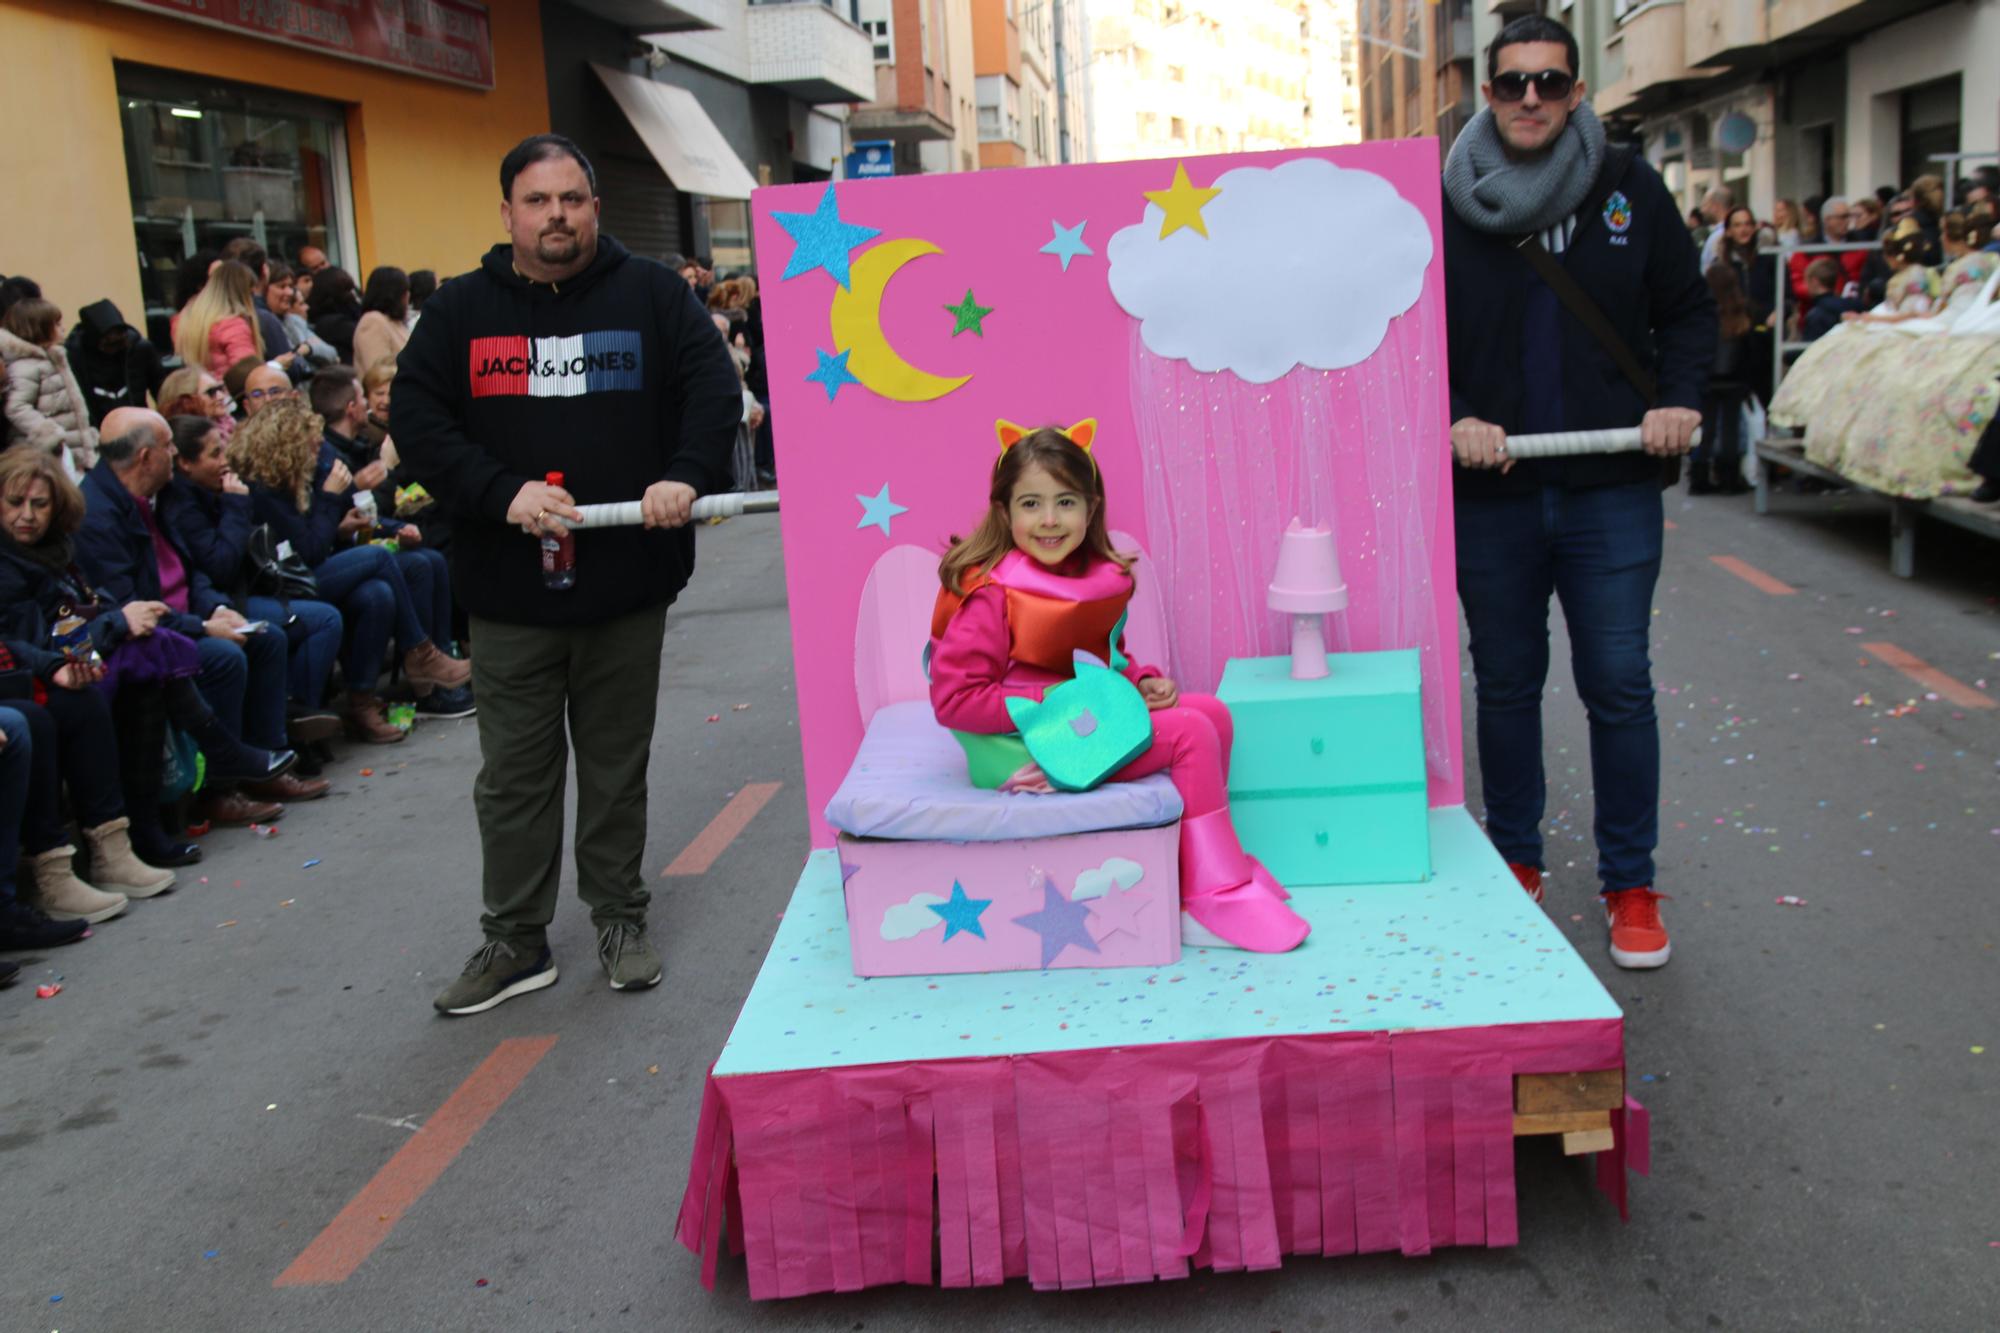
[{"x": 1095, "y": 1167}]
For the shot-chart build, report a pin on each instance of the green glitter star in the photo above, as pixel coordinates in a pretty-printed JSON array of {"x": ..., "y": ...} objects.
[{"x": 968, "y": 313}]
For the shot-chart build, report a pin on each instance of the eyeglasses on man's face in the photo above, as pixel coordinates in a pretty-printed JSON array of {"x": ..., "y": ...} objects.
[
  {"x": 271, "y": 395},
  {"x": 1551, "y": 85}
]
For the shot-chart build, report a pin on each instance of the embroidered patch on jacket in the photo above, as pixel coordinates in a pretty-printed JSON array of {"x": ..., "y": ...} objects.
[
  {"x": 607, "y": 360},
  {"x": 1618, "y": 213}
]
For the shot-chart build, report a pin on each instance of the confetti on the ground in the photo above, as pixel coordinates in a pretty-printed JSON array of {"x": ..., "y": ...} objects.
[
  {"x": 1788, "y": 900},
  {"x": 1979, "y": 1050},
  {"x": 367, "y": 772},
  {"x": 480, "y": 1283},
  {"x": 48, "y": 990},
  {"x": 264, "y": 830},
  {"x": 739, "y": 708},
  {"x": 224, "y": 925},
  {"x": 272, "y": 1107},
  {"x": 288, "y": 902},
  {"x": 310, "y": 864},
  {"x": 210, "y": 1254},
  {"x": 652, "y": 1069},
  {"x": 715, "y": 717}
]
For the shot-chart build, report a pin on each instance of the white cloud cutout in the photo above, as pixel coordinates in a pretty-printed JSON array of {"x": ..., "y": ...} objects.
[
  {"x": 1333, "y": 255},
  {"x": 1096, "y": 883},
  {"x": 905, "y": 921}
]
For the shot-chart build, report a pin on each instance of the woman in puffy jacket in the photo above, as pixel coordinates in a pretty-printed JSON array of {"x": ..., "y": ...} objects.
[{"x": 45, "y": 405}]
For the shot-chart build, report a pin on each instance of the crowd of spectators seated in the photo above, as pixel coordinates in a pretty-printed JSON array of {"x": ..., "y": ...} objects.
[{"x": 212, "y": 569}]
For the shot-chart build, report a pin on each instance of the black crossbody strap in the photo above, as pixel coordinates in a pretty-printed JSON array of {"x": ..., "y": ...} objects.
[{"x": 1588, "y": 315}]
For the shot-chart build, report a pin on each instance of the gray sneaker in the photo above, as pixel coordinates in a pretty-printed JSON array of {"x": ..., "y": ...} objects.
[
  {"x": 497, "y": 972},
  {"x": 628, "y": 960}
]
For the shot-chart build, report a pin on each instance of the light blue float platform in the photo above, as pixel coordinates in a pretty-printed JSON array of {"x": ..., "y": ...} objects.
[
  {"x": 1465, "y": 948},
  {"x": 1087, "y": 1127}
]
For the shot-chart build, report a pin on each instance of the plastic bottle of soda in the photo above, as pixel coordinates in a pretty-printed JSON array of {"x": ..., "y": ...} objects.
[{"x": 558, "y": 552}]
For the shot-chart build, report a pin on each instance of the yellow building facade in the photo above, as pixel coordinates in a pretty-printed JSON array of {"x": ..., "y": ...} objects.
[{"x": 136, "y": 136}]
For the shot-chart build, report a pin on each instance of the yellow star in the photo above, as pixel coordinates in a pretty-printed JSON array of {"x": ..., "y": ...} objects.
[{"x": 1182, "y": 203}]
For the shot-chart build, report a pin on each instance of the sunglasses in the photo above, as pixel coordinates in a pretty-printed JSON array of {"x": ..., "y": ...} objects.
[
  {"x": 1551, "y": 85},
  {"x": 215, "y": 392}
]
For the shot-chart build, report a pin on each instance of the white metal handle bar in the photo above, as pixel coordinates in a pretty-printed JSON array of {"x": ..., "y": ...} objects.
[
  {"x": 1561, "y": 444},
  {"x": 627, "y": 515}
]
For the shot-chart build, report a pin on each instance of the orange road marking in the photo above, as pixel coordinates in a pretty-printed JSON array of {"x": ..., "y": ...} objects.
[
  {"x": 1673, "y": 526},
  {"x": 713, "y": 841},
  {"x": 1930, "y": 677},
  {"x": 373, "y": 1213},
  {"x": 1754, "y": 576}
]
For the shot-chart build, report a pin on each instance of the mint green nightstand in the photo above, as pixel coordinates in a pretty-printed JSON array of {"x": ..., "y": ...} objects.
[{"x": 1326, "y": 780}]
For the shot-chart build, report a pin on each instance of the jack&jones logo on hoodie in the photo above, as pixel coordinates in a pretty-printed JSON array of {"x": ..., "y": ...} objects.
[{"x": 583, "y": 363}]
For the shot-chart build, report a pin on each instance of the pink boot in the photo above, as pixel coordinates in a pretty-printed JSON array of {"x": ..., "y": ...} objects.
[{"x": 1228, "y": 900}]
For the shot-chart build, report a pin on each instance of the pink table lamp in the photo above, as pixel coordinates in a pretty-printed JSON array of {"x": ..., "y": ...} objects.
[{"x": 1308, "y": 585}]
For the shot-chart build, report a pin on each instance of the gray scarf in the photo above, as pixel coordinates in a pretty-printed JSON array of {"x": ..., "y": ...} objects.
[{"x": 1495, "y": 193}]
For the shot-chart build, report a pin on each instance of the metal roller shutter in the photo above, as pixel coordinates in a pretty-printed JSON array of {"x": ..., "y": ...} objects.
[{"x": 641, "y": 206}]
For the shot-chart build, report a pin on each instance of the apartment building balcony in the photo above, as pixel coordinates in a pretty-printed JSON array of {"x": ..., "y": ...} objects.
[
  {"x": 650, "y": 16},
  {"x": 1645, "y": 65},
  {"x": 807, "y": 50},
  {"x": 912, "y": 105},
  {"x": 1808, "y": 23},
  {"x": 1724, "y": 32},
  {"x": 1510, "y": 8}
]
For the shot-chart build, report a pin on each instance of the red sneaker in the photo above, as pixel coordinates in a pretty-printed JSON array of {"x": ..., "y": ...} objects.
[
  {"x": 1530, "y": 877},
  {"x": 1638, "y": 936}
]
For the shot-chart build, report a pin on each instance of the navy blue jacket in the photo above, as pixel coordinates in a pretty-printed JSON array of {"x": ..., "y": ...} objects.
[
  {"x": 1646, "y": 278},
  {"x": 214, "y": 527},
  {"x": 32, "y": 598},
  {"x": 315, "y": 534},
  {"x": 115, "y": 548}
]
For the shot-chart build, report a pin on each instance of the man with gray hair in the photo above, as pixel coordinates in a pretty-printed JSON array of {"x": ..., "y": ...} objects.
[
  {"x": 130, "y": 553},
  {"x": 1715, "y": 208}
]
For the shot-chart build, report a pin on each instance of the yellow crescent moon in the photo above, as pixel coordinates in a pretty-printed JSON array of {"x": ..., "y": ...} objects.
[{"x": 857, "y": 327}]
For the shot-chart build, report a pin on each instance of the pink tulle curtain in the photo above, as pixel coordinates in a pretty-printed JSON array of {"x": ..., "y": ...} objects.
[{"x": 1228, "y": 464}]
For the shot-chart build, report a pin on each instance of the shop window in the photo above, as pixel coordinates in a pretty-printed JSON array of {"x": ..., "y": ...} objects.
[
  {"x": 728, "y": 234},
  {"x": 208, "y": 162},
  {"x": 1930, "y": 126}
]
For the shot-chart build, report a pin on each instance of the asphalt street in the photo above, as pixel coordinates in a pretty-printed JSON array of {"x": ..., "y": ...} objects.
[{"x": 230, "y": 1065}]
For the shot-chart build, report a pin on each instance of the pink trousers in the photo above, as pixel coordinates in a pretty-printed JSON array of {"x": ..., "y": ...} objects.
[{"x": 1191, "y": 744}]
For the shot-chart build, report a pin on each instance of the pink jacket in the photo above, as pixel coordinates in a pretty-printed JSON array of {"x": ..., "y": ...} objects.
[
  {"x": 229, "y": 341},
  {"x": 972, "y": 672}
]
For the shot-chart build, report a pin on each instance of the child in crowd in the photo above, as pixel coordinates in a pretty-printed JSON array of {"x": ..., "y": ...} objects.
[
  {"x": 1037, "y": 580},
  {"x": 1827, "y": 288}
]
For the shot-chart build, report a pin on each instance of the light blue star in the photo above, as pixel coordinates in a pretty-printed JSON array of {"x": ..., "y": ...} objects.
[
  {"x": 1060, "y": 923},
  {"x": 821, "y": 239},
  {"x": 1067, "y": 242},
  {"x": 961, "y": 914},
  {"x": 832, "y": 373},
  {"x": 877, "y": 510}
]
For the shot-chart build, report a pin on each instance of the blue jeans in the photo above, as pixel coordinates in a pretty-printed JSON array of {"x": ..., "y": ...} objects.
[
  {"x": 17, "y": 759},
  {"x": 429, "y": 580},
  {"x": 245, "y": 686},
  {"x": 1599, "y": 550},
  {"x": 311, "y": 657},
  {"x": 367, "y": 584}
]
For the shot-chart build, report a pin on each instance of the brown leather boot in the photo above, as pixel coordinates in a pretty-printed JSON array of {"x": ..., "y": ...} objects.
[
  {"x": 427, "y": 664},
  {"x": 367, "y": 721}
]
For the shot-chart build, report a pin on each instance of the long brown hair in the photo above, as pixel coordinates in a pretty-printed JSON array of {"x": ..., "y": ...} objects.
[
  {"x": 1059, "y": 456},
  {"x": 1732, "y": 310}
]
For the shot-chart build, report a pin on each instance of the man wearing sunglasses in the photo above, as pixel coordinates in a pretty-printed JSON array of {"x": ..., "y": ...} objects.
[{"x": 1574, "y": 302}]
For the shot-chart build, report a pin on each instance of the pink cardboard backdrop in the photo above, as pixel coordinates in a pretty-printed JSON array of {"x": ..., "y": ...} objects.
[{"x": 1363, "y": 448}]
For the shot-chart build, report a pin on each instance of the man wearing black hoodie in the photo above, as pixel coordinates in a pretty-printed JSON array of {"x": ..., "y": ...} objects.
[
  {"x": 1534, "y": 169},
  {"x": 114, "y": 364},
  {"x": 563, "y": 354}
]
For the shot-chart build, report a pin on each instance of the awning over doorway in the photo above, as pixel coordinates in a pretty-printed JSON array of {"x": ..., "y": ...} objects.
[{"x": 679, "y": 135}]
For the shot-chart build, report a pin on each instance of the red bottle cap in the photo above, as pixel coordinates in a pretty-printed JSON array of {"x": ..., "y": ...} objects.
[{"x": 553, "y": 478}]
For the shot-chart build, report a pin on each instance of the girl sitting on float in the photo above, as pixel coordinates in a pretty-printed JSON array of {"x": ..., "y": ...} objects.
[{"x": 1037, "y": 581}]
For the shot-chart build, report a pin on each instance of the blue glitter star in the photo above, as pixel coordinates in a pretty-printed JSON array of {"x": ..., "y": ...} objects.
[
  {"x": 961, "y": 914},
  {"x": 1060, "y": 923},
  {"x": 878, "y": 509},
  {"x": 821, "y": 239},
  {"x": 1067, "y": 242},
  {"x": 832, "y": 372}
]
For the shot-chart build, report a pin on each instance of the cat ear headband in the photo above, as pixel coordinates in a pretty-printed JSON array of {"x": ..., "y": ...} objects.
[{"x": 1082, "y": 435}]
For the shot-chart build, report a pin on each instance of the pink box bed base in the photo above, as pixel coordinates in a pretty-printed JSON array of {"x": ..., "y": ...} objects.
[
  {"x": 1098, "y": 1167},
  {"x": 880, "y": 873}
]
